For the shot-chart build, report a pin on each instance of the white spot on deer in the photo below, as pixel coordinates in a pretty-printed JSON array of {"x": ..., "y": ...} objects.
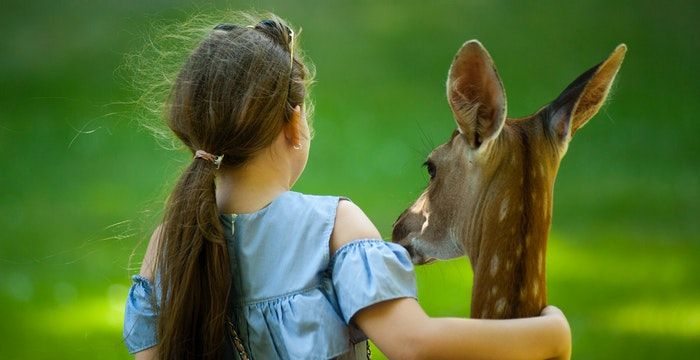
[
  {"x": 494, "y": 290},
  {"x": 535, "y": 289},
  {"x": 504, "y": 210},
  {"x": 523, "y": 294},
  {"x": 500, "y": 305},
  {"x": 493, "y": 268},
  {"x": 426, "y": 223},
  {"x": 418, "y": 206}
]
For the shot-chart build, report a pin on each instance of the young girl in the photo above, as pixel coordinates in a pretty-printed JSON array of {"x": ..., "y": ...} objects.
[{"x": 242, "y": 267}]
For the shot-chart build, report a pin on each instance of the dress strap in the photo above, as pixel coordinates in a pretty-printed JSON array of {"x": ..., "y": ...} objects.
[{"x": 359, "y": 351}]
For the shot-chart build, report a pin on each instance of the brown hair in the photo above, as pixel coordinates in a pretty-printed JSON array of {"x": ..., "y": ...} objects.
[{"x": 232, "y": 97}]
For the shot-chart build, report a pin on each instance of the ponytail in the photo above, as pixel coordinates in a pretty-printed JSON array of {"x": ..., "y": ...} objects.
[{"x": 193, "y": 265}]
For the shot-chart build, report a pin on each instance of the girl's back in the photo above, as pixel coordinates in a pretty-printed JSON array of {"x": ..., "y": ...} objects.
[{"x": 286, "y": 303}]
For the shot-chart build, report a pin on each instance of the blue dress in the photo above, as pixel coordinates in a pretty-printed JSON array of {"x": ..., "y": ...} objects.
[{"x": 294, "y": 300}]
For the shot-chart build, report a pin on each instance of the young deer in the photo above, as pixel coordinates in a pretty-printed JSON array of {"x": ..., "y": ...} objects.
[{"x": 490, "y": 190}]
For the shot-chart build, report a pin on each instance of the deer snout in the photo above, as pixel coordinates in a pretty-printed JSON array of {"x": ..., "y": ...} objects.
[
  {"x": 407, "y": 223},
  {"x": 407, "y": 228}
]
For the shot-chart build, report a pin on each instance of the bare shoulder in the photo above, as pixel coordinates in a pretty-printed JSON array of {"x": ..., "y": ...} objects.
[
  {"x": 351, "y": 223},
  {"x": 147, "y": 266}
]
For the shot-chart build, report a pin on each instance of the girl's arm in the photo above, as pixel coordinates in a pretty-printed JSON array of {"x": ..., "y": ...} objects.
[
  {"x": 148, "y": 354},
  {"x": 402, "y": 330},
  {"x": 147, "y": 271}
]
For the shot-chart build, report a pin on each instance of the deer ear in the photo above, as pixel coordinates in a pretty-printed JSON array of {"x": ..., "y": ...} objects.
[
  {"x": 582, "y": 99},
  {"x": 476, "y": 94}
]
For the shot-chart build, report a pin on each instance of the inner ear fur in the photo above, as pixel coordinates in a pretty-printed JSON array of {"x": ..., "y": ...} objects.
[
  {"x": 582, "y": 99},
  {"x": 475, "y": 94}
]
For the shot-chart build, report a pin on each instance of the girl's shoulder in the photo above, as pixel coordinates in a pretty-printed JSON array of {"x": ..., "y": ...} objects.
[
  {"x": 149, "y": 258},
  {"x": 349, "y": 221}
]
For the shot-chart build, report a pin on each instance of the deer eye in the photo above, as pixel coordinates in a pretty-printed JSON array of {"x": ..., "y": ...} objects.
[{"x": 431, "y": 168}]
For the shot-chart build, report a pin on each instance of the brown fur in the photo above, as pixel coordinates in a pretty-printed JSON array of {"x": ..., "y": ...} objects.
[{"x": 491, "y": 197}]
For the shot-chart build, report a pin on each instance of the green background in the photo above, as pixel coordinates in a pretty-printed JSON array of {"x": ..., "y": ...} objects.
[{"x": 81, "y": 183}]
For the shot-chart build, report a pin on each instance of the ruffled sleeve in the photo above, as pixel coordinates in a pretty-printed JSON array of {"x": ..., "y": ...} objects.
[
  {"x": 140, "y": 316},
  {"x": 365, "y": 272}
]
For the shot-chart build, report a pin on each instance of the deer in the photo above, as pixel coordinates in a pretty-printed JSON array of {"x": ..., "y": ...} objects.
[{"x": 490, "y": 191}]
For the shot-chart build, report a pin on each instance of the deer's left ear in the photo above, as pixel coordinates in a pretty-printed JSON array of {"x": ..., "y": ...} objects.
[
  {"x": 582, "y": 99},
  {"x": 476, "y": 94}
]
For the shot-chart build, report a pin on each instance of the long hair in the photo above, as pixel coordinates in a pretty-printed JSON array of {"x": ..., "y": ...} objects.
[{"x": 232, "y": 97}]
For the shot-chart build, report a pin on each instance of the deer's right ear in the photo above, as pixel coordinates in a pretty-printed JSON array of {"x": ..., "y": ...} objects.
[{"x": 476, "y": 94}]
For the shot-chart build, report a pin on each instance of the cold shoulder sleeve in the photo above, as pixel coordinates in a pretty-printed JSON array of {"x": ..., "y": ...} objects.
[
  {"x": 366, "y": 272},
  {"x": 140, "y": 315}
]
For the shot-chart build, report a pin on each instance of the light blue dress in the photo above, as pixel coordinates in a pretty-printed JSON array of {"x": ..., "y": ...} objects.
[{"x": 294, "y": 299}]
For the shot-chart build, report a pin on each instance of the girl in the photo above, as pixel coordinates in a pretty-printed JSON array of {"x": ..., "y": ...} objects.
[{"x": 242, "y": 267}]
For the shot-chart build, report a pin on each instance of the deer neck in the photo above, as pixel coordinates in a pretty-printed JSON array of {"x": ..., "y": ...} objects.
[{"x": 509, "y": 241}]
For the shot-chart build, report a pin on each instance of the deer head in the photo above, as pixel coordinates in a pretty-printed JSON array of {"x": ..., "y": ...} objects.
[{"x": 490, "y": 190}]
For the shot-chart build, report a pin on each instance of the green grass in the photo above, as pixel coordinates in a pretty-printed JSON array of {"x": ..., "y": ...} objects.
[{"x": 81, "y": 184}]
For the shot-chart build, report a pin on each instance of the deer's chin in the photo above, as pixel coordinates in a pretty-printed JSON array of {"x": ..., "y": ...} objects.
[
  {"x": 417, "y": 259},
  {"x": 423, "y": 252},
  {"x": 427, "y": 261}
]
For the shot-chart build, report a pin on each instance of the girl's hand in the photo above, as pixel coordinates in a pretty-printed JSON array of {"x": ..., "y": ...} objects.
[{"x": 555, "y": 313}]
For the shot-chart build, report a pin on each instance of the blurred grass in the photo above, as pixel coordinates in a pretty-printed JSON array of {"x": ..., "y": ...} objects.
[{"x": 81, "y": 184}]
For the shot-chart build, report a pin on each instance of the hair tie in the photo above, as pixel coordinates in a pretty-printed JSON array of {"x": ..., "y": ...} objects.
[{"x": 207, "y": 156}]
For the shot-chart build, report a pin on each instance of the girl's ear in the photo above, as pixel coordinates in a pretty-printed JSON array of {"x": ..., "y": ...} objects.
[{"x": 293, "y": 129}]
